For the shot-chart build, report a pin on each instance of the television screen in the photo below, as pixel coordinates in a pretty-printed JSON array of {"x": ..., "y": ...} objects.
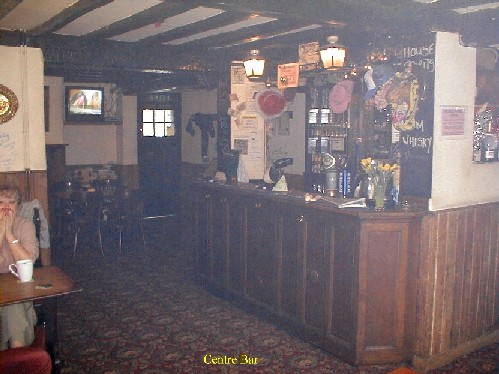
[{"x": 84, "y": 104}]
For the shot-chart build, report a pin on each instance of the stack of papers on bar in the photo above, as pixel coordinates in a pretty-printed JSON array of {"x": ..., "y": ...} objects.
[{"x": 346, "y": 203}]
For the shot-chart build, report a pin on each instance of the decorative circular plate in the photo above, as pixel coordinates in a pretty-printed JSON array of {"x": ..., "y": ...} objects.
[
  {"x": 270, "y": 103},
  {"x": 8, "y": 104}
]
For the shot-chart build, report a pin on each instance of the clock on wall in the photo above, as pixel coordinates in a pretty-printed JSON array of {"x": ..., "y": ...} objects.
[{"x": 8, "y": 104}]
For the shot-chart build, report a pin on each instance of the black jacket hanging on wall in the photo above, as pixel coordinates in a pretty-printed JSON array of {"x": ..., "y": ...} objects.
[{"x": 205, "y": 123}]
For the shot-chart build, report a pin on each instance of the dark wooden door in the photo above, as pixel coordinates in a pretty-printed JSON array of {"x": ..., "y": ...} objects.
[{"x": 159, "y": 157}]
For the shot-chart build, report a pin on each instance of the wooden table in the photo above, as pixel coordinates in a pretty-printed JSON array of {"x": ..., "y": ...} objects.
[{"x": 48, "y": 283}]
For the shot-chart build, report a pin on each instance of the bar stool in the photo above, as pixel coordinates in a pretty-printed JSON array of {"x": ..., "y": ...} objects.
[
  {"x": 107, "y": 217},
  {"x": 131, "y": 208},
  {"x": 122, "y": 212},
  {"x": 156, "y": 216}
]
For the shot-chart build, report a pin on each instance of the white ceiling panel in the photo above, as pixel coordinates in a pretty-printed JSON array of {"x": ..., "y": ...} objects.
[
  {"x": 106, "y": 15},
  {"x": 250, "y": 40},
  {"x": 171, "y": 23},
  {"x": 32, "y": 13},
  {"x": 253, "y": 21}
]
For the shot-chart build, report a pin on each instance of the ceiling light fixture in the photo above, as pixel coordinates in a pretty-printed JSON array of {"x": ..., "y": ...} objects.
[
  {"x": 254, "y": 64},
  {"x": 333, "y": 55}
]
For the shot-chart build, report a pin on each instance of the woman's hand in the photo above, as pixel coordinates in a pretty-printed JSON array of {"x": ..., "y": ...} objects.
[
  {"x": 7, "y": 222},
  {"x": 3, "y": 220}
]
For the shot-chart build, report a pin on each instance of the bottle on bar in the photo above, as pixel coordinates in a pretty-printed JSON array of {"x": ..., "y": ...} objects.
[
  {"x": 489, "y": 143},
  {"x": 331, "y": 185},
  {"x": 313, "y": 112},
  {"x": 325, "y": 110}
]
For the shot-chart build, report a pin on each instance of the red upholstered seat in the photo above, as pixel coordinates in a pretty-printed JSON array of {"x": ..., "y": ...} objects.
[
  {"x": 33, "y": 359},
  {"x": 403, "y": 370}
]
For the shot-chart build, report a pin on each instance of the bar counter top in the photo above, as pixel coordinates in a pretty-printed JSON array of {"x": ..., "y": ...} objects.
[{"x": 323, "y": 202}]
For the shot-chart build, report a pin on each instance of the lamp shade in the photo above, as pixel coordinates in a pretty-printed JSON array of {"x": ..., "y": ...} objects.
[
  {"x": 254, "y": 64},
  {"x": 333, "y": 55}
]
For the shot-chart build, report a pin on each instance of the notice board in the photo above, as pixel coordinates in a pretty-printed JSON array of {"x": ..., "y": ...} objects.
[{"x": 247, "y": 125}]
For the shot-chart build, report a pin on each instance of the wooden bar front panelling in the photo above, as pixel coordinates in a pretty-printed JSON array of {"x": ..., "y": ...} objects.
[
  {"x": 386, "y": 276},
  {"x": 492, "y": 298},
  {"x": 343, "y": 279},
  {"x": 458, "y": 284}
]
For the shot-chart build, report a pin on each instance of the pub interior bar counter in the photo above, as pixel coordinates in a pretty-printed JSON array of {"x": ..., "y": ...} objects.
[{"x": 374, "y": 234}]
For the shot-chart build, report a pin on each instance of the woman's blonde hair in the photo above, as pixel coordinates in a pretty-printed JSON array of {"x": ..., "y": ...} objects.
[{"x": 11, "y": 190}]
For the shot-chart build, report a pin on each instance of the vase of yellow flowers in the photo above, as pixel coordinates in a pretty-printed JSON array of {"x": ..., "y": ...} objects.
[{"x": 380, "y": 174}]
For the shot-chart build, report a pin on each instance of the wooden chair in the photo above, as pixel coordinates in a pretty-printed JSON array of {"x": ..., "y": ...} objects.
[{"x": 79, "y": 212}]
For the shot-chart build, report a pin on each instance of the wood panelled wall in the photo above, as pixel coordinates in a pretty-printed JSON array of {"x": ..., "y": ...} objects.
[{"x": 458, "y": 284}]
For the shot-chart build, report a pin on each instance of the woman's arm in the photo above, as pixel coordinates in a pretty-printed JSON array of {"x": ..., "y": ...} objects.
[{"x": 16, "y": 246}]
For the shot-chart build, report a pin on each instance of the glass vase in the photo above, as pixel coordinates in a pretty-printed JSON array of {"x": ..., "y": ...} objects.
[{"x": 379, "y": 196}]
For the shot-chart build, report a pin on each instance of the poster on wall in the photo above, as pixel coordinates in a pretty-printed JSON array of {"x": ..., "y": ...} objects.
[
  {"x": 453, "y": 122},
  {"x": 252, "y": 90},
  {"x": 288, "y": 75},
  {"x": 308, "y": 56},
  {"x": 238, "y": 76},
  {"x": 249, "y": 123}
]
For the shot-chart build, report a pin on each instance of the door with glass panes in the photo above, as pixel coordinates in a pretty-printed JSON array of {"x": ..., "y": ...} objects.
[{"x": 159, "y": 157}]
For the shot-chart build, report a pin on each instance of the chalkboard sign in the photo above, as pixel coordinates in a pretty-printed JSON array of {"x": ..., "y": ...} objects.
[
  {"x": 416, "y": 150},
  {"x": 416, "y": 145}
]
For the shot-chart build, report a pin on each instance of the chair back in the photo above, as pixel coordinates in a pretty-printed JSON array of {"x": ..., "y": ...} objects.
[
  {"x": 33, "y": 210},
  {"x": 33, "y": 359}
]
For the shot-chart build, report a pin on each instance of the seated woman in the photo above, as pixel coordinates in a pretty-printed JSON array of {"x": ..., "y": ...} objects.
[{"x": 17, "y": 242}]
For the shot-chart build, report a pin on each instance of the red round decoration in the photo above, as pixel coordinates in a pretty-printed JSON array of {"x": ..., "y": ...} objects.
[{"x": 271, "y": 103}]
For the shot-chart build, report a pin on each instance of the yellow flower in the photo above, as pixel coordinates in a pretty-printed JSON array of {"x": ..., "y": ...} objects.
[
  {"x": 366, "y": 162},
  {"x": 378, "y": 169}
]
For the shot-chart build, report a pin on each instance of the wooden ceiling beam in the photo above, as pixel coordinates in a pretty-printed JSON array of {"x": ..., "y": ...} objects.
[
  {"x": 6, "y": 6},
  {"x": 241, "y": 39}
]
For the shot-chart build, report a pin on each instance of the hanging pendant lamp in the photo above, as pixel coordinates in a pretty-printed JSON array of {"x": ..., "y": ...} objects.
[
  {"x": 333, "y": 55},
  {"x": 254, "y": 64}
]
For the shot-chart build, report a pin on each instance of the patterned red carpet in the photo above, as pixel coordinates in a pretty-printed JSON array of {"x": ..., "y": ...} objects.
[{"x": 141, "y": 312}]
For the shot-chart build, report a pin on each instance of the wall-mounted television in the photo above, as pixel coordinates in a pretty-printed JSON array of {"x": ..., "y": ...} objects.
[{"x": 84, "y": 104}]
